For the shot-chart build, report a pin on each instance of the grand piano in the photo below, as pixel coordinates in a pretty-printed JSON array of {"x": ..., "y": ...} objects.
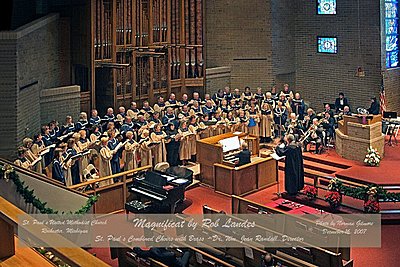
[{"x": 157, "y": 192}]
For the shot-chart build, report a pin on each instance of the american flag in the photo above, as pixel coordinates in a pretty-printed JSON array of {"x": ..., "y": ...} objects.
[{"x": 382, "y": 98}]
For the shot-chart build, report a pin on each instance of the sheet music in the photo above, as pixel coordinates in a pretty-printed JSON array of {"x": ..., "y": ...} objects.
[{"x": 276, "y": 157}]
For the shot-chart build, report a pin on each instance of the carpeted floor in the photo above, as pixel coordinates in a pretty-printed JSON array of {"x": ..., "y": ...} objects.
[{"x": 387, "y": 172}]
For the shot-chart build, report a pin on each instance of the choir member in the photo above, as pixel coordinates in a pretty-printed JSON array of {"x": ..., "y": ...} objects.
[
  {"x": 84, "y": 145},
  {"x": 243, "y": 122},
  {"x": 129, "y": 152},
  {"x": 121, "y": 111},
  {"x": 208, "y": 109},
  {"x": 259, "y": 96},
  {"x": 160, "y": 105},
  {"x": 228, "y": 94},
  {"x": 280, "y": 117},
  {"x": 54, "y": 130},
  {"x": 94, "y": 118},
  {"x": 207, "y": 97},
  {"x": 196, "y": 97},
  {"x": 219, "y": 126},
  {"x": 133, "y": 111},
  {"x": 147, "y": 110},
  {"x": 22, "y": 160},
  {"x": 27, "y": 143},
  {"x": 254, "y": 120},
  {"x": 112, "y": 145},
  {"x": 193, "y": 128},
  {"x": 170, "y": 117},
  {"x": 287, "y": 92},
  {"x": 247, "y": 95},
  {"x": 58, "y": 166},
  {"x": 340, "y": 103},
  {"x": 224, "y": 108},
  {"x": 37, "y": 147},
  {"x": 73, "y": 163},
  {"x": 145, "y": 149},
  {"x": 236, "y": 95},
  {"x": 68, "y": 127},
  {"x": 82, "y": 123},
  {"x": 374, "y": 109},
  {"x": 172, "y": 144},
  {"x": 298, "y": 106},
  {"x": 266, "y": 122},
  {"x": 184, "y": 114},
  {"x": 160, "y": 152},
  {"x": 218, "y": 96},
  {"x": 269, "y": 100},
  {"x": 294, "y": 169},
  {"x": 231, "y": 122},
  {"x": 127, "y": 126},
  {"x": 274, "y": 93},
  {"x": 105, "y": 162},
  {"x": 185, "y": 152},
  {"x": 184, "y": 100},
  {"x": 47, "y": 141},
  {"x": 195, "y": 109}
]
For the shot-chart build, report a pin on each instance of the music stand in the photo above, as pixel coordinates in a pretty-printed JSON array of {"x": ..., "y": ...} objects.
[
  {"x": 389, "y": 115},
  {"x": 391, "y": 130}
]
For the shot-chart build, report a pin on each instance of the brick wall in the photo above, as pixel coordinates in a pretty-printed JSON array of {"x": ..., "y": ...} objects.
[
  {"x": 8, "y": 93},
  {"x": 283, "y": 52},
  {"x": 238, "y": 35},
  {"x": 217, "y": 78},
  {"x": 30, "y": 62},
  {"x": 320, "y": 77},
  {"x": 57, "y": 103},
  {"x": 392, "y": 89}
]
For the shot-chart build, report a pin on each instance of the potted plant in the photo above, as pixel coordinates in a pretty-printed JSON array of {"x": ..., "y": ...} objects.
[
  {"x": 334, "y": 198},
  {"x": 311, "y": 192},
  {"x": 371, "y": 206},
  {"x": 372, "y": 158}
]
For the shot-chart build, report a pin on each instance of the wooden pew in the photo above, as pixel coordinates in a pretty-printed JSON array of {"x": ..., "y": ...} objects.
[
  {"x": 72, "y": 256},
  {"x": 333, "y": 257}
]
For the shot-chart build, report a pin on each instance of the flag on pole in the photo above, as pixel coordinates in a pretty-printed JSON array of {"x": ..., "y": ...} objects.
[{"x": 382, "y": 99}]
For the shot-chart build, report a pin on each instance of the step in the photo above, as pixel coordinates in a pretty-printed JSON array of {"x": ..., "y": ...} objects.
[
  {"x": 319, "y": 159},
  {"x": 307, "y": 171}
]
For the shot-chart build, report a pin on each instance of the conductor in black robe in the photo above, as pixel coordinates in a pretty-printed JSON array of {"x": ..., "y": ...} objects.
[{"x": 294, "y": 169}]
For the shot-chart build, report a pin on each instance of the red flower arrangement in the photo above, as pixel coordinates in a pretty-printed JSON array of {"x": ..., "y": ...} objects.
[
  {"x": 310, "y": 191},
  {"x": 372, "y": 206},
  {"x": 334, "y": 198}
]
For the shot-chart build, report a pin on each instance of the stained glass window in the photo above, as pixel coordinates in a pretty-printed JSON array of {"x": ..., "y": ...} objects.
[
  {"x": 327, "y": 45},
  {"x": 392, "y": 33},
  {"x": 326, "y": 7}
]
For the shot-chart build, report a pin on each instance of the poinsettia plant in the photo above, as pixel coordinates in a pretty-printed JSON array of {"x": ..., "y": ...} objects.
[
  {"x": 310, "y": 191},
  {"x": 334, "y": 198},
  {"x": 372, "y": 206},
  {"x": 373, "y": 158}
]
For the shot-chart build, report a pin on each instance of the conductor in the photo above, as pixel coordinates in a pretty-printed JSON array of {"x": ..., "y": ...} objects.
[{"x": 294, "y": 169}]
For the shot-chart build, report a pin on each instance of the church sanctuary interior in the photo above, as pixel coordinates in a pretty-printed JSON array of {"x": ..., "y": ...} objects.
[{"x": 285, "y": 112}]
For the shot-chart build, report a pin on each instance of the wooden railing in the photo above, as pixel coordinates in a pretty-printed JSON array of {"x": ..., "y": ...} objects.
[
  {"x": 112, "y": 197},
  {"x": 73, "y": 256}
]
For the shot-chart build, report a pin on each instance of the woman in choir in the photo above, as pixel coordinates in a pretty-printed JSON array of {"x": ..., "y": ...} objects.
[
  {"x": 193, "y": 128},
  {"x": 129, "y": 153},
  {"x": 243, "y": 121},
  {"x": 105, "y": 162},
  {"x": 54, "y": 130},
  {"x": 84, "y": 145},
  {"x": 280, "y": 117},
  {"x": 185, "y": 152},
  {"x": 254, "y": 120},
  {"x": 266, "y": 123},
  {"x": 224, "y": 108},
  {"x": 68, "y": 127},
  {"x": 247, "y": 95},
  {"x": 259, "y": 96},
  {"x": 160, "y": 152},
  {"x": 231, "y": 122},
  {"x": 37, "y": 147},
  {"x": 145, "y": 150},
  {"x": 58, "y": 166},
  {"x": 172, "y": 144},
  {"x": 196, "y": 109},
  {"x": 82, "y": 123},
  {"x": 206, "y": 130},
  {"x": 219, "y": 127},
  {"x": 75, "y": 164},
  {"x": 22, "y": 161}
]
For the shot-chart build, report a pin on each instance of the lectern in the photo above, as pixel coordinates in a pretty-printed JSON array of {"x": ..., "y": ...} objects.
[{"x": 355, "y": 134}]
